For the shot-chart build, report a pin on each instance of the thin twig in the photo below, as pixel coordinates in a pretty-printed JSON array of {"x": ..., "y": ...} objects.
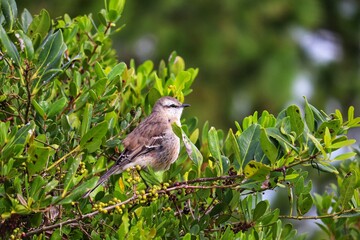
[{"x": 332, "y": 215}]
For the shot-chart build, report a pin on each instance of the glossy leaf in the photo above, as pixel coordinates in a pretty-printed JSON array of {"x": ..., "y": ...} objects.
[
  {"x": 332, "y": 125},
  {"x": 260, "y": 210},
  {"x": 192, "y": 151},
  {"x": 26, "y": 19},
  {"x": 38, "y": 108},
  {"x": 347, "y": 190},
  {"x": 309, "y": 116},
  {"x": 117, "y": 71},
  {"x": 92, "y": 140},
  {"x": 9, "y": 47},
  {"x": 343, "y": 144},
  {"x": 73, "y": 164},
  {"x": 56, "y": 107},
  {"x": 317, "y": 144},
  {"x": 345, "y": 156},
  {"x": 9, "y": 12},
  {"x": 51, "y": 53},
  {"x": 116, "y": 5},
  {"x": 248, "y": 142},
  {"x": 25, "y": 44},
  {"x": 40, "y": 25},
  {"x": 297, "y": 124},
  {"x": 79, "y": 191},
  {"x": 86, "y": 121},
  {"x": 256, "y": 170},
  {"x": 268, "y": 146},
  {"x": 304, "y": 203},
  {"x": 214, "y": 145},
  {"x": 231, "y": 146},
  {"x": 16, "y": 143}
]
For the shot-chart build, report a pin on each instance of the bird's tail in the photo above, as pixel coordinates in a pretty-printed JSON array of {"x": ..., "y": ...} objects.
[{"x": 116, "y": 168}]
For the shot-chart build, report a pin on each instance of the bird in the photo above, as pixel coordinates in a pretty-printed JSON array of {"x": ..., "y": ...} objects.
[{"x": 152, "y": 143}]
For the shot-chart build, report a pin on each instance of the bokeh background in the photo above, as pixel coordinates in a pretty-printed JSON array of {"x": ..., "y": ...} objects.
[{"x": 252, "y": 54}]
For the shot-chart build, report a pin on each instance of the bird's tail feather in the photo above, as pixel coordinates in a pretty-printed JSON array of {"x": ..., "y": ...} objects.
[{"x": 116, "y": 168}]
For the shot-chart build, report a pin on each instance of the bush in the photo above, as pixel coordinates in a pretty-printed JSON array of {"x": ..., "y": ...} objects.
[{"x": 65, "y": 105}]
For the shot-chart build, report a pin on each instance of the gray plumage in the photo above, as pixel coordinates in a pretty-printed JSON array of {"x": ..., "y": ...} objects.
[{"x": 152, "y": 143}]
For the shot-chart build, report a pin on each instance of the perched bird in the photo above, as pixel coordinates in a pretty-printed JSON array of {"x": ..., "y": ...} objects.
[{"x": 152, "y": 143}]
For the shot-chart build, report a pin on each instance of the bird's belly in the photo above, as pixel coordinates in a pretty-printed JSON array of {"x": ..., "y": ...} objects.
[{"x": 167, "y": 155}]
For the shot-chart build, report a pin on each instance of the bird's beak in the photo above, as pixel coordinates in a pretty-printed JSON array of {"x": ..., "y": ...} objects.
[{"x": 185, "y": 105}]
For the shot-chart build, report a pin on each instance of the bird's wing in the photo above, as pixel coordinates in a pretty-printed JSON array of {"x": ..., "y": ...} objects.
[{"x": 145, "y": 138}]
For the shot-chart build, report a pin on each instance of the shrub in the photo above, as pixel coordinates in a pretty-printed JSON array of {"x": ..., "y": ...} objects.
[{"x": 65, "y": 104}]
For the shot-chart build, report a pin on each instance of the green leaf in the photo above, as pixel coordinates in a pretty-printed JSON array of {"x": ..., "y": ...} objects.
[
  {"x": 351, "y": 111},
  {"x": 281, "y": 139},
  {"x": 86, "y": 119},
  {"x": 195, "y": 229},
  {"x": 40, "y": 25},
  {"x": 204, "y": 138},
  {"x": 149, "y": 176},
  {"x": 270, "y": 218},
  {"x": 9, "y": 11},
  {"x": 342, "y": 144},
  {"x": 297, "y": 125},
  {"x": 76, "y": 194},
  {"x": 93, "y": 138},
  {"x": 345, "y": 156},
  {"x": 116, "y": 5},
  {"x": 99, "y": 71},
  {"x": 317, "y": 145},
  {"x": 117, "y": 71},
  {"x": 36, "y": 189},
  {"x": 309, "y": 116},
  {"x": 25, "y": 44},
  {"x": 51, "y": 54},
  {"x": 268, "y": 146},
  {"x": 260, "y": 210},
  {"x": 99, "y": 87},
  {"x": 325, "y": 167},
  {"x": 248, "y": 141},
  {"x": 38, "y": 108},
  {"x": 17, "y": 143},
  {"x": 38, "y": 155},
  {"x": 299, "y": 186},
  {"x": 26, "y": 19},
  {"x": 214, "y": 145},
  {"x": 192, "y": 151},
  {"x": 56, "y": 107},
  {"x": 102, "y": 17},
  {"x": 4, "y": 129},
  {"x": 304, "y": 203},
  {"x": 347, "y": 190},
  {"x": 51, "y": 185},
  {"x": 333, "y": 126},
  {"x": 327, "y": 138},
  {"x": 73, "y": 164},
  {"x": 231, "y": 146},
  {"x": 256, "y": 170},
  {"x": 9, "y": 47}
]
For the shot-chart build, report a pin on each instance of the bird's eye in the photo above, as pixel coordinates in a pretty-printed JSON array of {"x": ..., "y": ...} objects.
[{"x": 173, "y": 106}]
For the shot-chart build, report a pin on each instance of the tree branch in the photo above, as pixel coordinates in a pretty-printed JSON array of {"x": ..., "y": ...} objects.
[{"x": 332, "y": 215}]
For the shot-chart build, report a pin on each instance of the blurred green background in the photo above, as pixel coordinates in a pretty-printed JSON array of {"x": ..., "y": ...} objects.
[{"x": 252, "y": 54}]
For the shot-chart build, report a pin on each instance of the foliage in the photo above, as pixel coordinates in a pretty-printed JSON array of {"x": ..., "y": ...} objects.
[{"x": 65, "y": 105}]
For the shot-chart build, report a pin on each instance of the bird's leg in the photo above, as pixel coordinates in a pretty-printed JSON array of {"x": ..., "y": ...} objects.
[{"x": 143, "y": 179}]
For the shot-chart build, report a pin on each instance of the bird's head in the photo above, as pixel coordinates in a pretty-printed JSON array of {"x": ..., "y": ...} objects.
[{"x": 170, "y": 108}]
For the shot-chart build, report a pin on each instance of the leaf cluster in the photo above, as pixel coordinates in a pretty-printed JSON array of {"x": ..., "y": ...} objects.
[{"x": 65, "y": 104}]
